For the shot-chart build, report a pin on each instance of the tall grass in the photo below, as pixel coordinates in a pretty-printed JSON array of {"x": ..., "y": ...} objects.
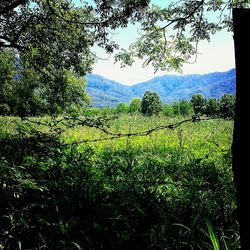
[{"x": 125, "y": 193}]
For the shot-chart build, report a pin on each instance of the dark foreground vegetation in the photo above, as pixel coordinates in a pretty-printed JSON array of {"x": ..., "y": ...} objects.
[{"x": 172, "y": 189}]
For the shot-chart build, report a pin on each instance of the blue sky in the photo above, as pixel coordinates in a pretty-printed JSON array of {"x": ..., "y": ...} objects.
[{"x": 216, "y": 55}]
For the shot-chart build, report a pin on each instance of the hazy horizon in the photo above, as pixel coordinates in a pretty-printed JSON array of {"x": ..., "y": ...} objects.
[{"x": 166, "y": 74}]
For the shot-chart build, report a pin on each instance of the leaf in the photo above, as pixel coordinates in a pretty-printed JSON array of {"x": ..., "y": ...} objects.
[
  {"x": 212, "y": 235},
  {"x": 19, "y": 245},
  {"x": 76, "y": 245},
  {"x": 181, "y": 225}
]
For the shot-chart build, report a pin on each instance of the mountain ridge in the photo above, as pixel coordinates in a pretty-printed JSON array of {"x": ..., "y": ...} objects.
[{"x": 108, "y": 93}]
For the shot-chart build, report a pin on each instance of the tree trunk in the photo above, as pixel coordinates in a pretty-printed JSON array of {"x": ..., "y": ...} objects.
[{"x": 241, "y": 140}]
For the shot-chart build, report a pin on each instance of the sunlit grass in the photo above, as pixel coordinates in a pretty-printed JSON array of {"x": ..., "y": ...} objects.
[
  {"x": 200, "y": 139},
  {"x": 170, "y": 180}
]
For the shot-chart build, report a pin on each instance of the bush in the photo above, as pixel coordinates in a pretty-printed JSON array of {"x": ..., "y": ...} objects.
[{"x": 168, "y": 110}]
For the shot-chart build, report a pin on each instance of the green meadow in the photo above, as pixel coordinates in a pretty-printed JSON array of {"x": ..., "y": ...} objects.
[{"x": 70, "y": 186}]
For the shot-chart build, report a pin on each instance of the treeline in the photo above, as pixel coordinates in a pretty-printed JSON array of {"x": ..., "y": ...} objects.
[
  {"x": 151, "y": 104},
  {"x": 24, "y": 92}
]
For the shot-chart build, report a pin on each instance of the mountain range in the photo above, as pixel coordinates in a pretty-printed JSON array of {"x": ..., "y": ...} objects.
[{"x": 108, "y": 93}]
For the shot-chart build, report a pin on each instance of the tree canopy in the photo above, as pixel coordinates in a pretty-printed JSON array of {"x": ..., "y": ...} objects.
[
  {"x": 169, "y": 36},
  {"x": 51, "y": 43},
  {"x": 50, "y": 35},
  {"x": 151, "y": 104}
]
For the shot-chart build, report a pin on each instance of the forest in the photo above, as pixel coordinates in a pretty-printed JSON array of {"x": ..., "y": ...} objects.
[{"x": 148, "y": 175}]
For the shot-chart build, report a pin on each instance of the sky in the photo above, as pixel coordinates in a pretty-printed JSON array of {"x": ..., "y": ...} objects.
[{"x": 216, "y": 55}]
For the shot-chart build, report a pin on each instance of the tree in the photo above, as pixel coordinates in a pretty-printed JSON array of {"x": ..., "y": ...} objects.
[
  {"x": 134, "y": 106},
  {"x": 56, "y": 34},
  {"x": 176, "y": 108},
  {"x": 168, "y": 110},
  {"x": 122, "y": 108},
  {"x": 151, "y": 104},
  {"x": 240, "y": 151},
  {"x": 199, "y": 103},
  {"x": 7, "y": 73},
  {"x": 170, "y": 35},
  {"x": 213, "y": 107},
  {"x": 66, "y": 94},
  {"x": 25, "y": 92},
  {"x": 27, "y": 99},
  {"x": 54, "y": 37},
  {"x": 227, "y": 106},
  {"x": 185, "y": 107}
]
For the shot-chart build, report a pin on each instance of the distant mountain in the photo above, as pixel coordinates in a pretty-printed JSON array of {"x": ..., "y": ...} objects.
[{"x": 108, "y": 93}]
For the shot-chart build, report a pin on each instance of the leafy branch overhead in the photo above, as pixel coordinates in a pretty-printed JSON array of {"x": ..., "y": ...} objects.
[
  {"x": 51, "y": 45},
  {"x": 53, "y": 35},
  {"x": 169, "y": 36}
]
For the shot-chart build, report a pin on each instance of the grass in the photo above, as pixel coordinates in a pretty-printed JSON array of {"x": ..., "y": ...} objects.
[{"x": 142, "y": 192}]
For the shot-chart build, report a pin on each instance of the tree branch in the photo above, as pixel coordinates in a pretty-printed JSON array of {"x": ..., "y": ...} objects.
[
  {"x": 72, "y": 21},
  {"x": 183, "y": 18}
]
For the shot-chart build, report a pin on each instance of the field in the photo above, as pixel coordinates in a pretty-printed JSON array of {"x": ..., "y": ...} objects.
[{"x": 69, "y": 186}]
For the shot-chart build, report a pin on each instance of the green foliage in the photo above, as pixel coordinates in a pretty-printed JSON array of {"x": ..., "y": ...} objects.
[
  {"x": 199, "y": 103},
  {"x": 142, "y": 192},
  {"x": 152, "y": 46},
  {"x": 185, "y": 107},
  {"x": 212, "y": 235},
  {"x": 151, "y": 104},
  {"x": 168, "y": 110},
  {"x": 122, "y": 108},
  {"x": 223, "y": 107},
  {"x": 135, "y": 105},
  {"x": 169, "y": 35},
  {"x": 182, "y": 107},
  {"x": 176, "y": 108},
  {"x": 52, "y": 35},
  {"x": 25, "y": 92},
  {"x": 65, "y": 94},
  {"x": 213, "y": 107},
  {"x": 7, "y": 72},
  {"x": 227, "y": 105}
]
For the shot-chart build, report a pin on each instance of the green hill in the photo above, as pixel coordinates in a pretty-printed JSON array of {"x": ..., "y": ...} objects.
[{"x": 108, "y": 93}]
